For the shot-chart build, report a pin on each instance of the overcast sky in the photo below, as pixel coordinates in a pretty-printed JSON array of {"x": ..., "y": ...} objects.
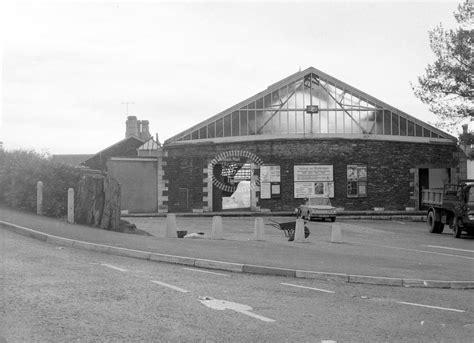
[{"x": 67, "y": 66}]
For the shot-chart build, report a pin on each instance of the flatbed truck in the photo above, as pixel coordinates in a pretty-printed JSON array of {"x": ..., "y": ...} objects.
[{"x": 452, "y": 205}]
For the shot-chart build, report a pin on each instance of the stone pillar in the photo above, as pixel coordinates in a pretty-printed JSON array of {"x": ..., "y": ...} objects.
[
  {"x": 258, "y": 230},
  {"x": 162, "y": 183},
  {"x": 70, "y": 205},
  {"x": 171, "y": 227},
  {"x": 299, "y": 231},
  {"x": 39, "y": 198},
  {"x": 216, "y": 232},
  {"x": 207, "y": 189},
  {"x": 254, "y": 188},
  {"x": 336, "y": 233}
]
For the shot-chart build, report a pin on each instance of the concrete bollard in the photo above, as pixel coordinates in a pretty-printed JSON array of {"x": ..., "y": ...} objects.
[
  {"x": 258, "y": 229},
  {"x": 39, "y": 198},
  {"x": 336, "y": 234},
  {"x": 299, "y": 231},
  {"x": 171, "y": 227},
  {"x": 70, "y": 205},
  {"x": 216, "y": 232}
]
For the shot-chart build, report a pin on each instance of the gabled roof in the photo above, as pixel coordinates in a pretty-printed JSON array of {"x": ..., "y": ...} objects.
[
  {"x": 150, "y": 144},
  {"x": 126, "y": 147},
  {"x": 338, "y": 109}
]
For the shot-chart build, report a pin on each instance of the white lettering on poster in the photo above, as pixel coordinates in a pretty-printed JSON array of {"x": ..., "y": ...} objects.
[{"x": 313, "y": 172}]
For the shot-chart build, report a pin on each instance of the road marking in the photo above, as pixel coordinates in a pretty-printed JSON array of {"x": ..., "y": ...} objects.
[
  {"x": 170, "y": 286},
  {"x": 416, "y": 250},
  {"x": 428, "y": 306},
  {"x": 440, "y": 247},
  {"x": 218, "y": 304},
  {"x": 394, "y": 221},
  {"x": 205, "y": 271},
  {"x": 315, "y": 289},
  {"x": 113, "y": 267},
  {"x": 328, "y": 341}
]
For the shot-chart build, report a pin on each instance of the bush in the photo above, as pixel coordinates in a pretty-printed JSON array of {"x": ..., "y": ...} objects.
[{"x": 20, "y": 172}]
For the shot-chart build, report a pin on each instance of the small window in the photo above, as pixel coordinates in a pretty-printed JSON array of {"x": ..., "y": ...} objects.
[{"x": 356, "y": 181}]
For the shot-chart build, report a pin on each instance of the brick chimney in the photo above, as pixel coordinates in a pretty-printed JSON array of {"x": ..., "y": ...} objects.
[
  {"x": 132, "y": 127},
  {"x": 145, "y": 130}
]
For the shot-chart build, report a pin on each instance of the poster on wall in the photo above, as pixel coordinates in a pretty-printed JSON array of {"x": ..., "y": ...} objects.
[
  {"x": 313, "y": 179},
  {"x": 265, "y": 190},
  {"x": 308, "y": 189},
  {"x": 270, "y": 174},
  {"x": 313, "y": 172}
]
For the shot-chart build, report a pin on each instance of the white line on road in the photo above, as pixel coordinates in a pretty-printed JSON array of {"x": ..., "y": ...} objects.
[
  {"x": 113, "y": 267},
  {"x": 394, "y": 221},
  {"x": 440, "y": 247},
  {"x": 205, "y": 271},
  {"x": 417, "y": 250},
  {"x": 428, "y": 306},
  {"x": 314, "y": 289},
  {"x": 170, "y": 286}
]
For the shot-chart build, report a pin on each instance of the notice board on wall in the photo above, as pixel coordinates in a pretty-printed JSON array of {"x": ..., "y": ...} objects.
[
  {"x": 270, "y": 179},
  {"x": 313, "y": 179}
]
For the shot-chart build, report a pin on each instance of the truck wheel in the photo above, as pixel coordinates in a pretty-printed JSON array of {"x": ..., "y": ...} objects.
[
  {"x": 457, "y": 230},
  {"x": 433, "y": 225}
]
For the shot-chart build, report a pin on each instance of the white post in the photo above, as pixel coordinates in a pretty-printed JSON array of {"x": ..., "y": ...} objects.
[
  {"x": 336, "y": 234},
  {"x": 39, "y": 198},
  {"x": 258, "y": 230},
  {"x": 171, "y": 227},
  {"x": 299, "y": 231},
  {"x": 216, "y": 232},
  {"x": 70, "y": 205}
]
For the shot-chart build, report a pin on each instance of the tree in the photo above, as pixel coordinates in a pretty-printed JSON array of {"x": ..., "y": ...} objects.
[{"x": 447, "y": 85}]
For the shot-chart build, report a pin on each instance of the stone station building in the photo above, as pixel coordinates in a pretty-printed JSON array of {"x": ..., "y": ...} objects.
[{"x": 308, "y": 134}]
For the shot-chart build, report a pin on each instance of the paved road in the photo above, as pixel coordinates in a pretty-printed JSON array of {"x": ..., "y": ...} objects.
[{"x": 52, "y": 293}]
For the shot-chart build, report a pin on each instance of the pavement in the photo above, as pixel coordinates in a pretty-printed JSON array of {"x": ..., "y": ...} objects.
[{"x": 359, "y": 259}]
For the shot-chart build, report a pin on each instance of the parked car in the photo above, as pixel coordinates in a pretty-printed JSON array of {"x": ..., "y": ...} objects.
[{"x": 317, "y": 207}]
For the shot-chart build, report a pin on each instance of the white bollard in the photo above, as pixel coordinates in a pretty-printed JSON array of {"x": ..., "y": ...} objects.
[
  {"x": 171, "y": 227},
  {"x": 39, "y": 198},
  {"x": 299, "y": 231},
  {"x": 336, "y": 235},
  {"x": 258, "y": 229},
  {"x": 216, "y": 232},
  {"x": 70, "y": 205}
]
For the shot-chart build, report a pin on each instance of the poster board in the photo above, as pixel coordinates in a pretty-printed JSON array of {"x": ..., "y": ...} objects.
[
  {"x": 313, "y": 179},
  {"x": 265, "y": 190}
]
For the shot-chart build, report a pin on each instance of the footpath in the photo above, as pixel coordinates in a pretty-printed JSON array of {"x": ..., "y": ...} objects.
[{"x": 350, "y": 262}]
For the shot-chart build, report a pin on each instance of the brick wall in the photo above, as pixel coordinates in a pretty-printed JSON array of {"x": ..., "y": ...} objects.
[{"x": 388, "y": 168}]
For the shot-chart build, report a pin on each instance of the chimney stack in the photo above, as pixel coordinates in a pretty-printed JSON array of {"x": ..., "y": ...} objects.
[
  {"x": 132, "y": 127},
  {"x": 145, "y": 130}
]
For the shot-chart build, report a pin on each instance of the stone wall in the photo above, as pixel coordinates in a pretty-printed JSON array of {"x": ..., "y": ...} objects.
[{"x": 388, "y": 168}]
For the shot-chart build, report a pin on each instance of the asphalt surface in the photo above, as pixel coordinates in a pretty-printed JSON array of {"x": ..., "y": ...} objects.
[
  {"x": 61, "y": 294},
  {"x": 403, "y": 251}
]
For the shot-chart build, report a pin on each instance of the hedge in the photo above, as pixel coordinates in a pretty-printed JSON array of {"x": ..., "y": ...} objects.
[{"x": 20, "y": 171}]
